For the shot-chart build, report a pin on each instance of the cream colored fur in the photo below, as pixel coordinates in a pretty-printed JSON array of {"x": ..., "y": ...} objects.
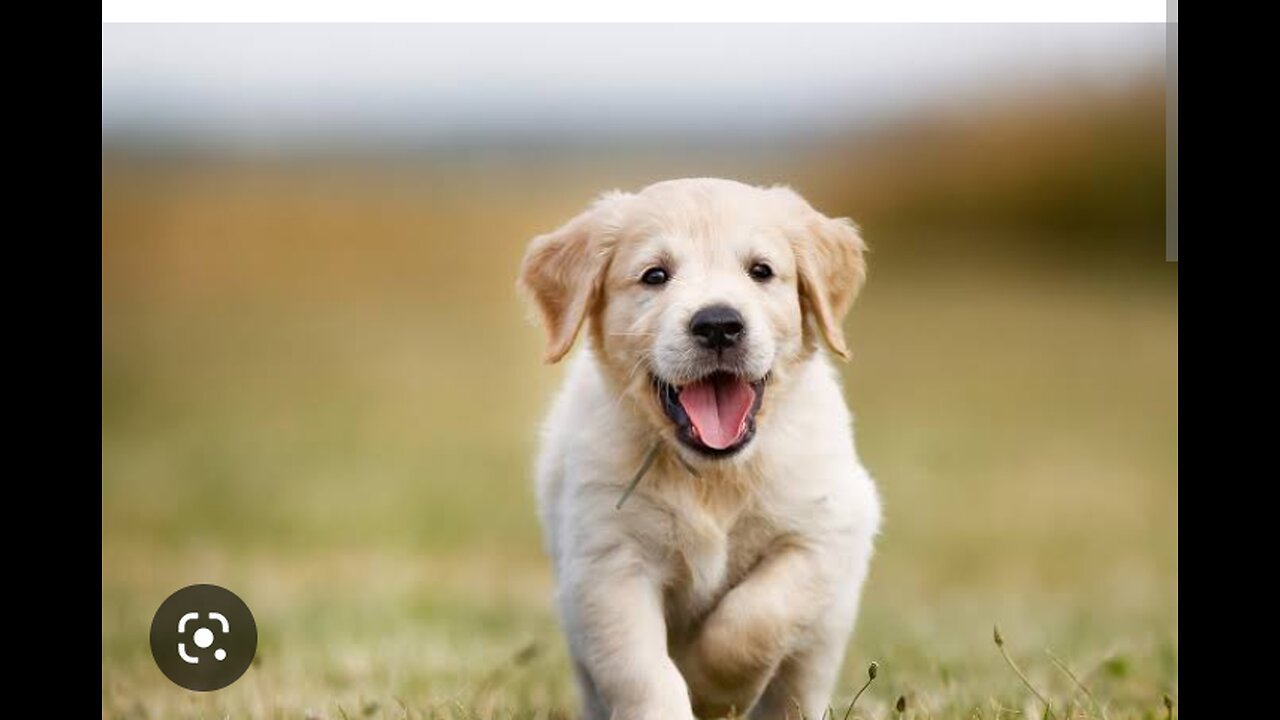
[{"x": 734, "y": 590}]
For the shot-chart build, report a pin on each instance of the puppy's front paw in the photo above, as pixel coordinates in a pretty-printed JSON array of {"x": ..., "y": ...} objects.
[
  {"x": 665, "y": 696},
  {"x": 724, "y": 678}
]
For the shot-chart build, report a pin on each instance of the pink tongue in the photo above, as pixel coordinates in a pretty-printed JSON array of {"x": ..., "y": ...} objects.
[{"x": 718, "y": 408}]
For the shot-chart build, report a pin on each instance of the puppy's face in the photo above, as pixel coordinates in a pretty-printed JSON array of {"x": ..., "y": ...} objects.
[{"x": 701, "y": 296}]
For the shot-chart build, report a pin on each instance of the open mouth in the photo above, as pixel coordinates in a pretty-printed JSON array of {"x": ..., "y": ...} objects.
[{"x": 715, "y": 415}]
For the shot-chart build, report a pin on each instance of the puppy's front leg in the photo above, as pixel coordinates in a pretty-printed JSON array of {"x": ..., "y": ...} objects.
[
  {"x": 742, "y": 642},
  {"x": 612, "y": 609}
]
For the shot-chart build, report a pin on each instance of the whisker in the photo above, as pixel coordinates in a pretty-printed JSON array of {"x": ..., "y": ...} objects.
[{"x": 635, "y": 367}]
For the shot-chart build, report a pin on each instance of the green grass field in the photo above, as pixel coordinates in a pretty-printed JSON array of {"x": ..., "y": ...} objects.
[{"x": 323, "y": 393}]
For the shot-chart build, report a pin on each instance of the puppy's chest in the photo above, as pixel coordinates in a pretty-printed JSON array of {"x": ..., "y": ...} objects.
[{"x": 709, "y": 557}]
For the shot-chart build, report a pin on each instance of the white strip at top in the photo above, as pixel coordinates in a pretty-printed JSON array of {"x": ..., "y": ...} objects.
[{"x": 756, "y": 11}]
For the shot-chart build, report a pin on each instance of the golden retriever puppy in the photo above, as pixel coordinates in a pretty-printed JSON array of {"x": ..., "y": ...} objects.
[{"x": 729, "y": 578}]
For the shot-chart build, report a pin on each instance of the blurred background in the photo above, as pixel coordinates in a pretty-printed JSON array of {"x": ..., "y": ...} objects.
[{"x": 321, "y": 390}]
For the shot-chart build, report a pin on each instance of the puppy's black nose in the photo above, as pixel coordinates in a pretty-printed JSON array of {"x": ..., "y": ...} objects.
[{"x": 717, "y": 327}]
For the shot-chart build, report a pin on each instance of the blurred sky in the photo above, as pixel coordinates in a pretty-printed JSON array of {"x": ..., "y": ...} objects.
[{"x": 279, "y": 84}]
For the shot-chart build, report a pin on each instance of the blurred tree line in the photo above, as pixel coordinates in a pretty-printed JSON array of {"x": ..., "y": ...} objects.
[{"x": 1050, "y": 170}]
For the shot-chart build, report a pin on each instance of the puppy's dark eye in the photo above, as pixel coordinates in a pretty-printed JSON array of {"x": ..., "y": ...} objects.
[
  {"x": 655, "y": 276},
  {"x": 760, "y": 272}
]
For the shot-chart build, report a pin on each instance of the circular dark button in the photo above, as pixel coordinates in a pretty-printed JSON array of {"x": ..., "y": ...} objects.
[{"x": 203, "y": 637}]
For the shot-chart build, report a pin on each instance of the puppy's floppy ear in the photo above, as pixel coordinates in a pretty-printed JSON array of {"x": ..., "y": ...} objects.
[
  {"x": 563, "y": 271},
  {"x": 829, "y": 257}
]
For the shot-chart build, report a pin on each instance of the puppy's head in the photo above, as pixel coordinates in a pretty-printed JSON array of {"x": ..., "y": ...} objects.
[{"x": 700, "y": 296}]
